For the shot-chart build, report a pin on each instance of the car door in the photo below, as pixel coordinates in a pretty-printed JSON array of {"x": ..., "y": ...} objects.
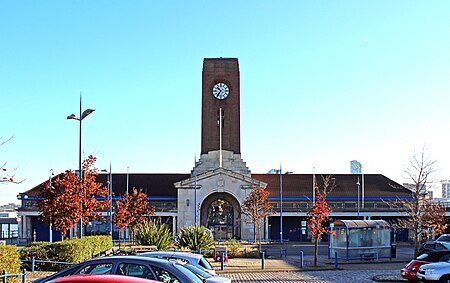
[
  {"x": 135, "y": 270},
  {"x": 165, "y": 275},
  {"x": 97, "y": 268}
]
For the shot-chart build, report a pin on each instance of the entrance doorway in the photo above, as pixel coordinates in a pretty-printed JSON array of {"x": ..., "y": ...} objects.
[
  {"x": 221, "y": 214},
  {"x": 221, "y": 219}
]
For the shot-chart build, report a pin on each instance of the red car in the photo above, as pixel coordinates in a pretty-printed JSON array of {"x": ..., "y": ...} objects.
[
  {"x": 102, "y": 278},
  {"x": 410, "y": 270}
]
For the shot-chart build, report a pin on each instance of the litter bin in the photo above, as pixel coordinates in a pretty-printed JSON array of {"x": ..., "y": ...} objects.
[
  {"x": 393, "y": 250},
  {"x": 218, "y": 250}
]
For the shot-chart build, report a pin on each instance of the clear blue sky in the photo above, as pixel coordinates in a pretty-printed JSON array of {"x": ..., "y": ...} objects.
[{"x": 322, "y": 83}]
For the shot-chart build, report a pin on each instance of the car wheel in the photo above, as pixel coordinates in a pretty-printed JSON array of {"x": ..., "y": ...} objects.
[{"x": 445, "y": 279}]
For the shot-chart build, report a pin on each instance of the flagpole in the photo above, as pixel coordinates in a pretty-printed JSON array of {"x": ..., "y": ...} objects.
[
  {"x": 314, "y": 187},
  {"x": 195, "y": 191},
  {"x": 110, "y": 201},
  {"x": 281, "y": 206},
  {"x": 220, "y": 137},
  {"x": 128, "y": 178}
]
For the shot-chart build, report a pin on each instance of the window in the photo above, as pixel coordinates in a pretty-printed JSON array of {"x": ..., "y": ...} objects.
[
  {"x": 13, "y": 230},
  {"x": 102, "y": 268},
  {"x": 165, "y": 276},
  {"x": 136, "y": 270}
]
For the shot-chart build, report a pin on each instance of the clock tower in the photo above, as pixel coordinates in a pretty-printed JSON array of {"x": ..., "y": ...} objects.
[
  {"x": 220, "y": 180},
  {"x": 220, "y": 105}
]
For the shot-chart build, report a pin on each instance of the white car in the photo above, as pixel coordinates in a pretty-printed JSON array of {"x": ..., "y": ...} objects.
[
  {"x": 191, "y": 258},
  {"x": 434, "y": 272}
]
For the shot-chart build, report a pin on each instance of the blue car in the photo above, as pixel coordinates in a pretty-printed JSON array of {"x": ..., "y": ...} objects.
[{"x": 137, "y": 266}]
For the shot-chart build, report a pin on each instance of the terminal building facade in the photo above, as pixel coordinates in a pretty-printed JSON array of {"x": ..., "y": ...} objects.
[{"x": 213, "y": 192}]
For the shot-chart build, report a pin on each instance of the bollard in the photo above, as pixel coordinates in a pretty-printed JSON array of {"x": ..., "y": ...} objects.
[
  {"x": 262, "y": 260},
  {"x": 32, "y": 264},
  {"x": 4, "y": 276},
  {"x": 335, "y": 260},
  {"x": 24, "y": 276},
  {"x": 285, "y": 252},
  {"x": 301, "y": 260},
  {"x": 222, "y": 260},
  {"x": 245, "y": 252}
]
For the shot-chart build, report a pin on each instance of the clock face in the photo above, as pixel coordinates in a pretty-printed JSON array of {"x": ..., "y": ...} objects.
[{"x": 220, "y": 91}]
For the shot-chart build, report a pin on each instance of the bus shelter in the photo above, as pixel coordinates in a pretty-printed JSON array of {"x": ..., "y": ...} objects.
[{"x": 360, "y": 239}]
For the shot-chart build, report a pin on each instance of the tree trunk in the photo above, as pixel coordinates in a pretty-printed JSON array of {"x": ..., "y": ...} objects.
[
  {"x": 259, "y": 237},
  {"x": 316, "y": 251}
]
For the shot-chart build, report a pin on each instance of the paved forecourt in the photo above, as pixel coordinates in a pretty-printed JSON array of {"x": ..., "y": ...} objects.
[{"x": 325, "y": 276}]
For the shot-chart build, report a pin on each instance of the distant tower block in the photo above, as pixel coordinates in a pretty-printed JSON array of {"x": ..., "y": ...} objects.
[{"x": 355, "y": 167}]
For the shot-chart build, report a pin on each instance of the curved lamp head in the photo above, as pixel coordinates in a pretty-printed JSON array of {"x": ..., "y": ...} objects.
[
  {"x": 86, "y": 113},
  {"x": 72, "y": 116}
]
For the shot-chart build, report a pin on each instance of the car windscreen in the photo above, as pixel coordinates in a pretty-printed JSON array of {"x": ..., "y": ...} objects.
[
  {"x": 194, "y": 278},
  {"x": 203, "y": 262},
  {"x": 200, "y": 272},
  {"x": 443, "y": 238},
  {"x": 422, "y": 256}
]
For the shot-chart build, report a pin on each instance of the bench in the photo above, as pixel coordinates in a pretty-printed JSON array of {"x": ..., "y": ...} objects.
[
  {"x": 368, "y": 255},
  {"x": 143, "y": 249}
]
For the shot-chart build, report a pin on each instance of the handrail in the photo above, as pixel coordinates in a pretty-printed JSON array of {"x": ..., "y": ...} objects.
[
  {"x": 34, "y": 261},
  {"x": 5, "y": 275}
]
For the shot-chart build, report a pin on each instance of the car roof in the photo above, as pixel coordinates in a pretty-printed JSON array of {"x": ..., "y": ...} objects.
[
  {"x": 434, "y": 255},
  {"x": 126, "y": 258},
  {"x": 174, "y": 253},
  {"x": 102, "y": 278}
]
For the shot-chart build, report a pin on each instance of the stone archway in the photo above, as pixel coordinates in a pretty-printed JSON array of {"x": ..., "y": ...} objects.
[{"x": 221, "y": 213}]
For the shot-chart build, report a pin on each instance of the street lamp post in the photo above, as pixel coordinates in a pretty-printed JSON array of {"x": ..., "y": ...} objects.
[
  {"x": 281, "y": 206},
  {"x": 357, "y": 202},
  {"x": 110, "y": 202},
  {"x": 83, "y": 114},
  {"x": 50, "y": 232},
  {"x": 109, "y": 182}
]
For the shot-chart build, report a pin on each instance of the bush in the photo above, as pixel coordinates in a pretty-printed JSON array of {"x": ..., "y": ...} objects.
[
  {"x": 195, "y": 238},
  {"x": 233, "y": 247},
  {"x": 10, "y": 261},
  {"x": 71, "y": 250},
  {"x": 154, "y": 234}
]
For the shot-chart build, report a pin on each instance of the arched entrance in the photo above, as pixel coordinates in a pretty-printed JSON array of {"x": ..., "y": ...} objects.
[{"x": 221, "y": 213}]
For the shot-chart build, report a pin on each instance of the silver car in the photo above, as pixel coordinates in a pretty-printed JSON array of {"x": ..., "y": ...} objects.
[
  {"x": 191, "y": 258},
  {"x": 434, "y": 272},
  {"x": 205, "y": 276},
  {"x": 149, "y": 268}
]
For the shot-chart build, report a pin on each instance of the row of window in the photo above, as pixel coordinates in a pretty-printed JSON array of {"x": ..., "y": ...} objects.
[{"x": 9, "y": 231}]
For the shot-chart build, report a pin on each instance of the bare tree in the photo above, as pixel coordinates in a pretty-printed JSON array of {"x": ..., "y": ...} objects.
[
  {"x": 418, "y": 172},
  {"x": 433, "y": 219},
  {"x": 7, "y": 176},
  {"x": 256, "y": 207}
]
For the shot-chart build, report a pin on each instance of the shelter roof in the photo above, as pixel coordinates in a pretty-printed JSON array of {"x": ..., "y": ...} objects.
[{"x": 362, "y": 223}]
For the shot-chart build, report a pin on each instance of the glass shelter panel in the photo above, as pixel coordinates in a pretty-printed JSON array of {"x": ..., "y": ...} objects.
[{"x": 360, "y": 239}]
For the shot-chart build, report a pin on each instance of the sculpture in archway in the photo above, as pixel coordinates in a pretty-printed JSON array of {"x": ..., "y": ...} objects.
[{"x": 220, "y": 219}]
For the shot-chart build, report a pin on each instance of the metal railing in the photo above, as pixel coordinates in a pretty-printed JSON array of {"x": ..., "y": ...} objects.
[
  {"x": 33, "y": 262},
  {"x": 5, "y": 276}
]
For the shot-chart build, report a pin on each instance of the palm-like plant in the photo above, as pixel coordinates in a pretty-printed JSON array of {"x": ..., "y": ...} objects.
[
  {"x": 155, "y": 234},
  {"x": 195, "y": 238}
]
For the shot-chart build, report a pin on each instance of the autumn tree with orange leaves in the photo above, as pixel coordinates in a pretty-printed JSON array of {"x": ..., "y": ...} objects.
[
  {"x": 320, "y": 212},
  {"x": 67, "y": 199},
  {"x": 256, "y": 207},
  {"x": 132, "y": 210}
]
